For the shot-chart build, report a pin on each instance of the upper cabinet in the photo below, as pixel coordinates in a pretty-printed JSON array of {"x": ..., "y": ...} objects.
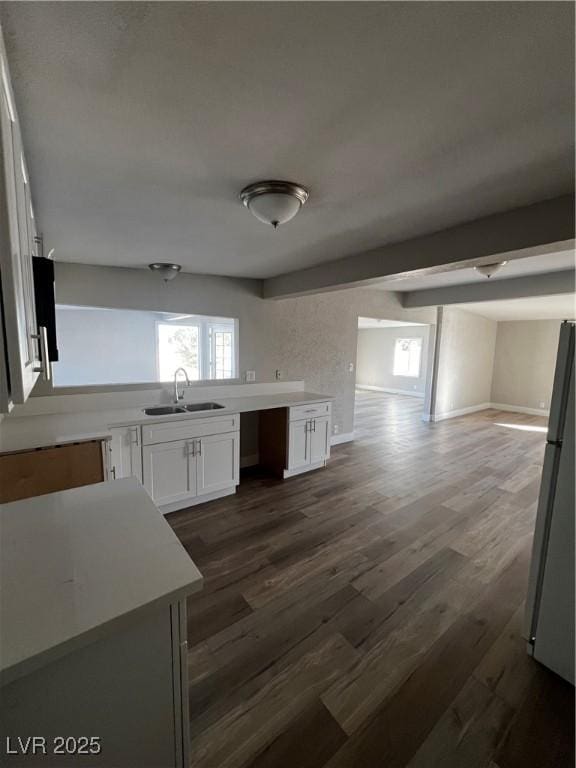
[{"x": 21, "y": 362}]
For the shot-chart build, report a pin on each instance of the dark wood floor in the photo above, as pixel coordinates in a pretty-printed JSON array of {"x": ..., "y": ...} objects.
[{"x": 368, "y": 615}]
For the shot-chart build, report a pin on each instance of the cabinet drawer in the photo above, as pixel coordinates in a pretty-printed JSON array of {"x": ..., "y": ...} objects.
[
  {"x": 166, "y": 431},
  {"x": 309, "y": 411}
]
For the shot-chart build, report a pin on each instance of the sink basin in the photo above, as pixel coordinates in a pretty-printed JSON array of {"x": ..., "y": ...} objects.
[
  {"x": 163, "y": 410},
  {"x": 203, "y": 406}
]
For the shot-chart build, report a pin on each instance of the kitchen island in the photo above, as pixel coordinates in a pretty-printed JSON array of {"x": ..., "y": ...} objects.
[{"x": 93, "y": 630}]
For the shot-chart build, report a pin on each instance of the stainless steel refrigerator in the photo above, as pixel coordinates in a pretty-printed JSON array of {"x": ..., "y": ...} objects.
[{"x": 549, "y": 626}]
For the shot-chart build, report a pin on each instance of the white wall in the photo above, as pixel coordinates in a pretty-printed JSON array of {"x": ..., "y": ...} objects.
[
  {"x": 109, "y": 346},
  {"x": 312, "y": 337},
  {"x": 466, "y": 361},
  {"x": 375, "y": 361},
  {"x": 524, "y": 363}
]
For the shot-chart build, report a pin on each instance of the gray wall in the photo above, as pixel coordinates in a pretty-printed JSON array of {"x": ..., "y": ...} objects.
[
  {"x": 312, "y": 338},
  {"x": 466, "y": 360},
  {"x": 524, "y": 363},
  {"x": 375, "y": 362}
]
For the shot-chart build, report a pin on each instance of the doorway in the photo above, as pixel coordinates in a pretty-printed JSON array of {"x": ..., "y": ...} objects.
[{"x": 392, "y": 367}]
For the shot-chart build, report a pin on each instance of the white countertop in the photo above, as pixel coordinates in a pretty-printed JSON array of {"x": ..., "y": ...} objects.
[
  {"x": 80, "y": 564},
  {"x": 28, "y": 432}
]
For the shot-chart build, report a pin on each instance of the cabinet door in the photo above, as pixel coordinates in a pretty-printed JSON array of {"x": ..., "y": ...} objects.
[
  {"x": 319, "y": 439},
  {"x": 16, "y": 259},
  {"x": 169, "y": 471},
  {"x": 126, "y": 452},
  {"x": 217, "y": 462},
  {"x": 298, "y": 444}
]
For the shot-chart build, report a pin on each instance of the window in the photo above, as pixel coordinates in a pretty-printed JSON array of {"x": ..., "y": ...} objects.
[
  {"x": 407, "y": 354},
  {"x": 178, "y": 347},
  {"x": 121, "y": 346}
]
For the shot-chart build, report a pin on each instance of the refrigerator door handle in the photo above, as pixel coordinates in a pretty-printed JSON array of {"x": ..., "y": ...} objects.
[
  {"x": 541, "y": 536},
  {"x": 561, "y": 382}
]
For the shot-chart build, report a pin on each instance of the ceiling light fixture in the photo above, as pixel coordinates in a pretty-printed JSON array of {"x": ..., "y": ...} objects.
[
  {"x": 274, "y": 202},
  {"x": 488, "y": 270},
  {"x": 165, "y": 270}
]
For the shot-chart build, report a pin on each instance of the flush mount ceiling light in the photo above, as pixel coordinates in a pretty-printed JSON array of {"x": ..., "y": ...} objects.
[
  {"x": 165, "y": 270},
  {"x": 487, "y": 270},
  {"x": 274, "y": 202}
]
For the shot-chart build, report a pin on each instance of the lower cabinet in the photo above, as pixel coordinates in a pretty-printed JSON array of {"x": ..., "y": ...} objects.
[
  {"x": 217, "y": 462},
  {"x": 121, "y": 700},
  {"x": 170, "y": 471},
  {"x": 126, "y": 452},
  {"x": 183, "y": 472},
  {"x": 25, "y": 474},
  {"x": 298, "y": 444},
  {"x": 308, "y": 443},
  {"x": 295, "y": 440},
  {"x": 319, "y": 439}
]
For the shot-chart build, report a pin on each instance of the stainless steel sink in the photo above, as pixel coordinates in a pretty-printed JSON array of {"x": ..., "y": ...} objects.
[
  {"x": 203, "y": 406},
  {"x": 163, "y": 410}
]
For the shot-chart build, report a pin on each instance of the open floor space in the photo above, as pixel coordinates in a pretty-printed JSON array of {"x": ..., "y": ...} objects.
[{"x": 371, "y": 614}]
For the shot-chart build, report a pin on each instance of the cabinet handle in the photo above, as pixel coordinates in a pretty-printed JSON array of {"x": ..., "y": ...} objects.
[
  {"x": 199, "y": 447},
  {"x": 314, "y": 428},
  {"x": 191, "y": 448},
  {"x": 135, "y": 436},
  {"x": 44, "y": 368}
]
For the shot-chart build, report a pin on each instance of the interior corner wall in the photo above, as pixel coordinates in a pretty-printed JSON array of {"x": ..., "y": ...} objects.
[
  {"x": 313, "y": 337},
  {"x": 375, "y": 362},
  {"x": 524, "y": 363},
  {"x": 466, "y": 362}
]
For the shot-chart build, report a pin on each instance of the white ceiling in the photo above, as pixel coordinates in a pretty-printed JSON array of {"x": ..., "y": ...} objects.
[
  {"x": 142, "y": 122},
  {"x": 373, "y": 322},
  {"x": 562, "y": 307},
  {"x": 532, "y": 265}
]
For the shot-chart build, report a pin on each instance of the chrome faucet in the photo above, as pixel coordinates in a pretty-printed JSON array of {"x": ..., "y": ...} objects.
[{"x": 177, "y": 395}]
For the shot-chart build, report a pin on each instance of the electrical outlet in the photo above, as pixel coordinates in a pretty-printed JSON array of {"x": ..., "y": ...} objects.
[
  {"x": 250, "y": 376},
  {"x": 278, "y": 374},
  {"x": 336, "y": 429},
  {"x": 542, "y": 404},
  {"x": 350, "y": 367}
]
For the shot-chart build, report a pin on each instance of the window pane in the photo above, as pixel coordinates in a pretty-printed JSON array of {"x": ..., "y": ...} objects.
[
  {"x": 178, "y": 347},
  {"x": 223, "y": 367},
  {"x": 407, "y": 354}
]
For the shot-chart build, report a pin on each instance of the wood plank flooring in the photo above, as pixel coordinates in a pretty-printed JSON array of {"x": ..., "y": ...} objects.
[{"x": 369, "y": 614}]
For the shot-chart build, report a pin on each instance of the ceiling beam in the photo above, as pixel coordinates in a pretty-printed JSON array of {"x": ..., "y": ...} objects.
[
  {"x": 548, "y": 284},
  {"x": 543, "y": 227}
]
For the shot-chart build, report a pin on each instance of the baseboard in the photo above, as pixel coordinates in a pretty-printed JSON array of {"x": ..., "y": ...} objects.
[
  {"x": 459, "y": 412},
  {"x": 390, "y": 391},
  {"x": 249, "y": 461},
  {"x": 345, "y": 437},
  {"x": 520, "y": 409},
  {"x": 308, "y": 468},
  {"x": 486, "y": 407},
  {"x": 176, "y": 505}
]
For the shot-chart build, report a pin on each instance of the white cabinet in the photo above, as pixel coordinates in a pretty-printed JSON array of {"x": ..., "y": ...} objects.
[
  {"x": 180, "y": 473},
  {"x": 16, "y": 251},
  {"x": 170, "y": 472},
  {"x": 126, "y": 452},
  {"x": 298, "y": 444},
  {"x": 308, "y": 440},
  {"x": 217, "y": 462},
  {"x": 319, "y": 437}
]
